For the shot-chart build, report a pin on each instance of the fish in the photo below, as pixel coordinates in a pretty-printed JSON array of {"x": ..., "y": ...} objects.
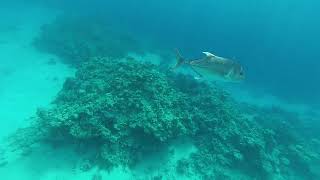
[{"x": 213, "y": 67}]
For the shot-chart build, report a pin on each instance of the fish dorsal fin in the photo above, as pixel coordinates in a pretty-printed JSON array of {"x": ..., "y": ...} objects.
[{"x": 209, "y": 54}]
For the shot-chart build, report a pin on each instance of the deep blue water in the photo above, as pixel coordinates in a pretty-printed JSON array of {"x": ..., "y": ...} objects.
[{"x": 277, "y": 41}]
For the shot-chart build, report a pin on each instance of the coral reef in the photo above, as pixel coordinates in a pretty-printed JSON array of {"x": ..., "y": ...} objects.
[
  {"x": 123, "y": 109},
  {"x": 77, "y": 38}
]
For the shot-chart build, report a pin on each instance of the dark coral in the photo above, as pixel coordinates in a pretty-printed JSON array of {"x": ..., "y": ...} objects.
[
  {"x": 123, "y": 109},
  {"x": 75, "y": 39}
]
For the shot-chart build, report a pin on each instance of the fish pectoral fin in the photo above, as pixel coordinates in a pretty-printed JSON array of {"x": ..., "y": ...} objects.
[
  {"x": 209, "y": 54},
  {"x": 228, "y": 75},
  {"x": 200, "y": 75}
]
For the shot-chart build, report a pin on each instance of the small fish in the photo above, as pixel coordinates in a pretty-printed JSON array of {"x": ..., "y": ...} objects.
[{"x": 214, "y": 67}]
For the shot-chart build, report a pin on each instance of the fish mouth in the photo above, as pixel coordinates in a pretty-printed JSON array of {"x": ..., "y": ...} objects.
[{"x": 242, "y": 78}]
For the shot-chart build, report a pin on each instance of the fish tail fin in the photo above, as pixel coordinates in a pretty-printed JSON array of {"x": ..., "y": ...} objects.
[{"x": 180, "y": 60}]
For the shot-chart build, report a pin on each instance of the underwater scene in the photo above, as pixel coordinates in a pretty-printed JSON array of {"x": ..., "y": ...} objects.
[{"x": 160, "y": 90}]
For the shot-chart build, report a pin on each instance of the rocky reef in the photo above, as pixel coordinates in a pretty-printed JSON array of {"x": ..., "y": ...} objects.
[
  {"x": 76, "y": 38},
  {"x": 119, "y": 110}
]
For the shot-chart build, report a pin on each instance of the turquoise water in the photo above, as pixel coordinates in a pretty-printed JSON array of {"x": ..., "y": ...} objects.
[{"x": 87, "y": 91}]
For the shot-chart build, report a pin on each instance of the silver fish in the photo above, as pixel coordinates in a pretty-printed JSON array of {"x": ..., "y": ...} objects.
[{"x": 214, "y": 67}]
